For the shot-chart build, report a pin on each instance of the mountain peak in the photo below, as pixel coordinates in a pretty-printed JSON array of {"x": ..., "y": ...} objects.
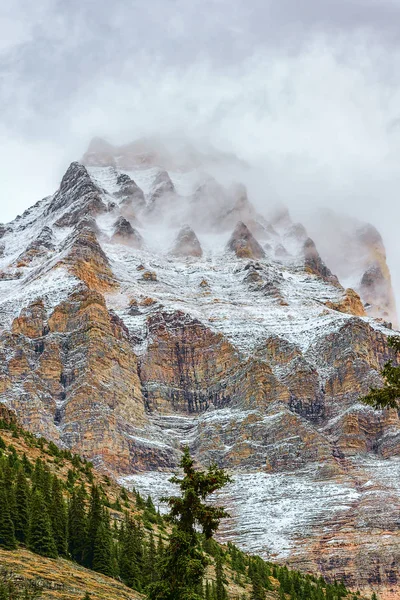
[
  {"x": 244, "y": 244},
  {"x": 187, "y": 243}
]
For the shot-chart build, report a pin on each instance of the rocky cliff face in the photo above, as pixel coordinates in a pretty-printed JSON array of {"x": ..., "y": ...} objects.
[
  {"x": 356, "y": 253},
  {"x": 124, "y": 338}
]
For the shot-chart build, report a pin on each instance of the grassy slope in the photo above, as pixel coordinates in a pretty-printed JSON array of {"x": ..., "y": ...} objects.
[{"x": 62, "y": 579}]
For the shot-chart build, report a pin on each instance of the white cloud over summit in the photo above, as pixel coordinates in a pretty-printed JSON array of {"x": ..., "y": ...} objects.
[{"x": 307, "y": 92}]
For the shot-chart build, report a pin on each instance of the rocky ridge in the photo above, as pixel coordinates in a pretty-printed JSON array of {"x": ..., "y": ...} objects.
[{"x": 240, "y": 341}]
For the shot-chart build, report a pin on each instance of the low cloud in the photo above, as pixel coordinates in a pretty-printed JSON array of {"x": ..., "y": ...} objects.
[{"x": 309, "y": 98}]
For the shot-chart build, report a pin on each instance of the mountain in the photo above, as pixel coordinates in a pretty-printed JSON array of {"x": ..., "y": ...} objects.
[{"x": 147, "y": 304}]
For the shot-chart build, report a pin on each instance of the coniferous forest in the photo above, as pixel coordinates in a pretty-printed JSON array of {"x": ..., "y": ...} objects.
[{"x": 55, "y": 505}]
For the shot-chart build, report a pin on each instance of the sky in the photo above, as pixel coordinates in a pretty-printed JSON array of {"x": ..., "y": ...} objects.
[{"x": 308, "y": 92}]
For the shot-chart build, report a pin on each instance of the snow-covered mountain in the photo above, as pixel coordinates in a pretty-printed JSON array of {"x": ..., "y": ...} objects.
[{"x": 147, "y": 304}]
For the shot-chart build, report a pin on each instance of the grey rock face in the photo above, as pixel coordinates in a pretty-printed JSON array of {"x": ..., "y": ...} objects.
[
  {"x": 125, "y": 233},
  {"x": 315, "y": 264},
  {"x": 132, "y": 197},
  {"x": 187, "y": 243}
]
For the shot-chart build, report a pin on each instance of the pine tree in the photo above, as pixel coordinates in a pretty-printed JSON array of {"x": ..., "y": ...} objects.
[
  {"x": 41, "y": 480},
  {"x": 26, "y": 465},
  {"x": 95, "y": 517},
  {"x": 131, "y": 555},
  {"x": 150, "y": 505},
  {"x": 103, "y": 547},
  {"x": 40, "y": 536},
  {"x": 257, "y": 589},
  {"x": 77, "y": 525},
  {"x": 150, "y": 560},
  {"x": 7, "y": 534},
  {"x": 207, "y": 594},
  {"x": 160, "y": 549},
  {"x": 21, "y": 518},
  {"x": 58, "y": 516},
  {"x": 183, "y": 568},
  {"x": 220, "y": 581}
]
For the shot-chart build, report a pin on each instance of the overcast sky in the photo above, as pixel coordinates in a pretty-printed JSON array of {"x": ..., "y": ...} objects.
[{"x": 308, "y": 91}]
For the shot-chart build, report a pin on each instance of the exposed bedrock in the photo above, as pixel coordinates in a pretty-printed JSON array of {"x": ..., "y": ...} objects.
[
  {"x": 187, "y": 244},
  {"x": 244, "y": 244}
]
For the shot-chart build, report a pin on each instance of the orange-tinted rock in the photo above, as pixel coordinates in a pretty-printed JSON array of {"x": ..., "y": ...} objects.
[
  {"x": 244, "y": 244},
  {"x": 87, "y": 261},
  {"x": 31, "y": 320},
  {"x": 149, "y": 276},
  {"x": 350, "y": 304},
  {"x": 184, "y": 365},
  {"x": 80, "y": 370}
]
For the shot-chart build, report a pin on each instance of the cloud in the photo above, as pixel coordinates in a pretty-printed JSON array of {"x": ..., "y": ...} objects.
[{"x": 307, "y": 93}]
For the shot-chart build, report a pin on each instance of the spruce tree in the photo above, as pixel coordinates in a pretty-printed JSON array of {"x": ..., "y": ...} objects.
[
  {"x": 7, "y": 533},
  {"x": 40, "y": 535},
  {"x": 131, "y": 555},
  {"x": 95, "y": 517},
  {"x": 257, "y": 588},
  {"x": 220, "y": 581},
  {"x": 58, "y": 516},
  {"x": 184, "y": 565},
  {"x": 160, "y": 548},
  {"x": 207, "y": 591},
  {"x": 21, "y": 517},
  {"x": 77, "y": 525},
  {"x": 150, "y": 505},
  {"x": 26, "y": 465},
  {"x": 103, "y": 547},
  {"x": 150, "y": 560}
]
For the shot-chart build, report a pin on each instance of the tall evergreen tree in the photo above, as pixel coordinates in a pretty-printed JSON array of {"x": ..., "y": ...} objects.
[
  {"x": 41, "y": 480},
  {"x": 7, "y": 533},
  {"x": 95, "y": 518},
  {"x": 22, "y": 496},
  {"x": 160, "y": 549},
  {"x": 40, "y": 535},
  {"x": 220, "y": 580},
  {"x": 58, "y": 516},
  {"x": 184, "y": 565},
  {"x": 131, "y": 555},
  {"x": 150, "y": 560},
  {"x": 257, "y": 588},
  {"x": 26, "y": 465},
  {"x": 77, "y": 525},
  {"x": 207, "y": 591},
  {"x": 103, "y": 547}
]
